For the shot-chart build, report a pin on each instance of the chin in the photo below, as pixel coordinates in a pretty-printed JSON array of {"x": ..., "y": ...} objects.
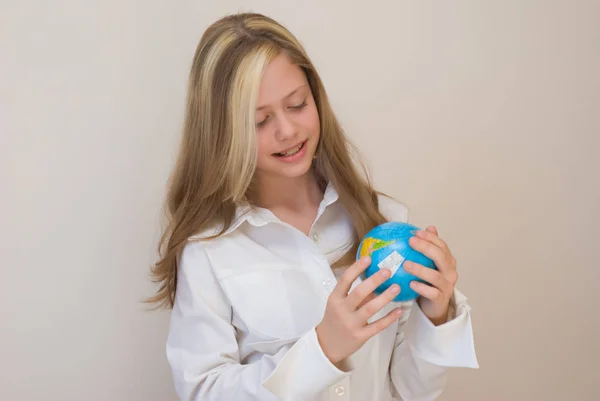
[
  {"x": 295, "y": 171},
  {"x": 298, "y": 171}
]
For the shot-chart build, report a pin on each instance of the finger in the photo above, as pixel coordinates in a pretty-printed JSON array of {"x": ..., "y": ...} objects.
[
  {"x": 377, "y": 304},
  {"x": 432, "y": 237},
  {"x": 432, "y": 229},
  {"x": 426, "y": 291},
  {"x": 350, "y": 275},
  {"x": 364, "y": 289},
  {"x": 379, "y": 325},
  {"x": 440, "y": 257},
  {"x": 431, "y": 276},
  {"x": 369, "y": 298}
]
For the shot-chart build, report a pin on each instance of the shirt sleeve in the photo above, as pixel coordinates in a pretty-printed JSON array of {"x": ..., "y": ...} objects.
[
  {"x": 424, "y": 352},
  {"x": 203, "y": 352}
]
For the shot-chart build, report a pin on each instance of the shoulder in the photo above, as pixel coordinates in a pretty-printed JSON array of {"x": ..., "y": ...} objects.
[
  {"x": 220, "y": 254},
  {"x": 198, "y": 290},
  {"x": 203, "y": 261},
  {"x": 392, "y": 209}
]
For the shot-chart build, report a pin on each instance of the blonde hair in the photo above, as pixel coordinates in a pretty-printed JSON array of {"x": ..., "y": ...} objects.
[{"x": 217, "y": 156}]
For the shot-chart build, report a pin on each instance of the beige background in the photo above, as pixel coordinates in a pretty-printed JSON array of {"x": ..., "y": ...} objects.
[{"x": 483, "y": 116}]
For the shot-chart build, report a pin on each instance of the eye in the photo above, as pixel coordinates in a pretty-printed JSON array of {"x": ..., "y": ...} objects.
[
  {"x": 263, "y": 122},
  {"x": 300, "y": 106}
]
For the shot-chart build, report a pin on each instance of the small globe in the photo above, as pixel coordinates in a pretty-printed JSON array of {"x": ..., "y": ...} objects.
[{"x": 387, "y": 244}]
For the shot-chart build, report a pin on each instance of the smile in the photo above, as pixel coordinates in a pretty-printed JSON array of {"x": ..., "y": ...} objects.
[{"x": 291, "y": 151}]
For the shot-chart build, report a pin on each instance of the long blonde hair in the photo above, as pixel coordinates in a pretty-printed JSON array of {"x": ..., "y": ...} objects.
[{"x": 217, "y": 156}]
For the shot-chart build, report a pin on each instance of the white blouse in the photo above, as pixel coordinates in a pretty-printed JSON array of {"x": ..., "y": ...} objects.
[{"x": 247, "y": 303}]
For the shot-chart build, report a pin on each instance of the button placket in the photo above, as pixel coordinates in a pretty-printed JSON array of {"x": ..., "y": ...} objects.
[
  {"x": 328, "y": 285},
  {"x": 340, "y": 391}
]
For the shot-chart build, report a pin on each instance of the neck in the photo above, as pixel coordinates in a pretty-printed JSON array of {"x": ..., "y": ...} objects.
[{"x": 295, "y": 194}]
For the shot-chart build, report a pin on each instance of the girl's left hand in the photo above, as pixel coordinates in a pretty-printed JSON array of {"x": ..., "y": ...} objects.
[{"x": 434, "y": 299}]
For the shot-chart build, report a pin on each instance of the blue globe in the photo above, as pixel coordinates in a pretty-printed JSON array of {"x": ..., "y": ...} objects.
[{"x": 387, "y": 244}]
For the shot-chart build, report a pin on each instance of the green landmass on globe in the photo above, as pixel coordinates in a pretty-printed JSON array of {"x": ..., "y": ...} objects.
[{"x": 369, "y": 245}]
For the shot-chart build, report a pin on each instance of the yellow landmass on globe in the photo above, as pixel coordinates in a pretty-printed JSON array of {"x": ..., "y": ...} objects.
[{"x": 372, "y": 244}]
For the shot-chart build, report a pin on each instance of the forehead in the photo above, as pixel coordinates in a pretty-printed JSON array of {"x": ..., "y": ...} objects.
[{"x": 279, "y": 79}]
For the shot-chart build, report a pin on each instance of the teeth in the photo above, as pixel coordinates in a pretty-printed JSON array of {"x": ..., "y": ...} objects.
[{"x": 292, "y": 151}]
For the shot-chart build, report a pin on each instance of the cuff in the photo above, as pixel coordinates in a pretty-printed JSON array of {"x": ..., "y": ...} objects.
[
  {"x": 450, "y": 344},
  {"x": 304, "y": 371}
]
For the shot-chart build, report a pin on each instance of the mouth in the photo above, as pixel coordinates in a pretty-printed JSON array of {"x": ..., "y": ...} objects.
[{"x": 291, "y": 151}]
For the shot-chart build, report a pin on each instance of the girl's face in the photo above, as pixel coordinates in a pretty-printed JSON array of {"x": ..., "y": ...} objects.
[{"x": 287, "y": 121}]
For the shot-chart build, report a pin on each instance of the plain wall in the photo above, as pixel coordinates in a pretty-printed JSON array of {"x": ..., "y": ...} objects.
[{"x": 482, "y": 116}]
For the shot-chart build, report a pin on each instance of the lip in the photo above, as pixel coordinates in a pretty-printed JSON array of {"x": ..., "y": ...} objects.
[
  {"x": 298, "y": 156},
  {"x": 292, "y": 147}
]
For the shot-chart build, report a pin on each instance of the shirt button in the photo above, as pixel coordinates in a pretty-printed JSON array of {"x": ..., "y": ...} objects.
[
  {"x": 315, "y": 237},
  {"x": 326, "y": 283},
  {"x": 339, "y": 390}
]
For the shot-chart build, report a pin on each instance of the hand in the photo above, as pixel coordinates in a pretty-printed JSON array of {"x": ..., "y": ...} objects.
[
  {"x": 345, "y": 328},
  {"x": 434, "y": 299}
]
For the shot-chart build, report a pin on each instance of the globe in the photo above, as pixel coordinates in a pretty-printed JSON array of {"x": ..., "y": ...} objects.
[{"x": 387, "y": 244}]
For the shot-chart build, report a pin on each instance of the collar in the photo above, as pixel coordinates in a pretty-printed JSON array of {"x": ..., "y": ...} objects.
[{"x": 258, "y": 216}]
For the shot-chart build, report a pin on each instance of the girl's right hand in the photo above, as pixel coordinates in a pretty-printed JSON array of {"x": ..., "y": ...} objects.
[{"x": 345, "y": 328}]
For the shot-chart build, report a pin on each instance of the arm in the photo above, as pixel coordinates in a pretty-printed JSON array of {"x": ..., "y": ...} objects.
[
  {"x": 203, "y": 351},
  {"x": 424, "y": 352}
]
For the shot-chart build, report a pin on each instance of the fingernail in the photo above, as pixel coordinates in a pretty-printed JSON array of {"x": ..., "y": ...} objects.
[
  {"x": 414, "y": 232},
  {"x": 395, "y": 288},
  {"x": 367, "y": 260},
  {"x": 385, "y": 273},
  {"x": 407, "y": 265}
]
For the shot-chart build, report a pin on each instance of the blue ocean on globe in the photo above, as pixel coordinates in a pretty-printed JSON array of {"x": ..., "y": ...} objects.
[{"x": 387, "y": 244}]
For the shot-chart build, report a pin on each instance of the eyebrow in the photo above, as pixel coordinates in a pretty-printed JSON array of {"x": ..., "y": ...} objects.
[{"x": 285, "y": 97}]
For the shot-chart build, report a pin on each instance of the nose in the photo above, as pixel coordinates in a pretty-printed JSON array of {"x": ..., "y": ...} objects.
[{"x": 286, "y": 129}]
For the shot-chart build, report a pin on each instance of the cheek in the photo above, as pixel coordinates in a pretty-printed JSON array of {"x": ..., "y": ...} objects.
[
  {"x": 264, "y": 146},
  {"x": 312, "y": 122}
]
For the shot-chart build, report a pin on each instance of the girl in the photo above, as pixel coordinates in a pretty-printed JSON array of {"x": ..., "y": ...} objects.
[{"x": 266, "y": 210}]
